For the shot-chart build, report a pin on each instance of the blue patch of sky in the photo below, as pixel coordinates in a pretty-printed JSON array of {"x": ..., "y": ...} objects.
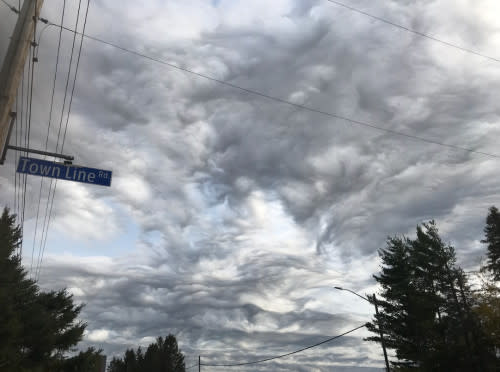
[
  {"x": 59, "y": 242},
  {"x": 117, "y": 245}
]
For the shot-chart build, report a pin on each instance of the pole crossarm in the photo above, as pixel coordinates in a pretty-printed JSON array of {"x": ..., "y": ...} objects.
[{"x": 40, "y": 152}]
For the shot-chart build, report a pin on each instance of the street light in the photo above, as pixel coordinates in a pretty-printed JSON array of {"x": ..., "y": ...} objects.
[{"x": 379, "y": 329}]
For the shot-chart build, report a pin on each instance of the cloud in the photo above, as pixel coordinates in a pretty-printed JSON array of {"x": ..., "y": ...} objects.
[
  {"x": 98, "y": 335},
  {"x": 248, "y": 210}
]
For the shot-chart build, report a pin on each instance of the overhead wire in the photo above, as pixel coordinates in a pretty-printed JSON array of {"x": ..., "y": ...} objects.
[
  {"x": 236, "y": 87},
  {"x": 284, "y": 101},
  {"x": 52, "y": 189},
  {"x": 76, "y": 73},
  {"x": 21, "y": 178},
  {"x": 32, "y": 60},
  {"x": 26, "y": 142},
  {"x": 15, "y": 159},
  {"x": 17, "y": 137},
  {"x": 413, "y": 31},
  {"x": 17, "y": 141},
  {"x": 48, "y": 133},
  {"x": 40, "y": 38},
  {"x": 282, "y": 355},
  {"x": 30, "y": 112},
  {"x": 69, "y": 74},
  {"x": 13, "y": 8},
  {"x": 44, "y": 238},
  {"x": 277, "y": 99}
]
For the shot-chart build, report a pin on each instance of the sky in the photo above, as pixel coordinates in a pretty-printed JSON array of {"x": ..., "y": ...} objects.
[{"x": 231, "y": 216}]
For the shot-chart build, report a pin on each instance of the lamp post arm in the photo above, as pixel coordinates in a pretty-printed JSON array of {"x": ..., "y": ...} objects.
[
  {"x": 381, "y": 333},
  {"x": 357, "y": 294}
]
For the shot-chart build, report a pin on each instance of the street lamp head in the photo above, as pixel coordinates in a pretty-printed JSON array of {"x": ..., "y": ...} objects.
[{"x": 339, "y": 288}]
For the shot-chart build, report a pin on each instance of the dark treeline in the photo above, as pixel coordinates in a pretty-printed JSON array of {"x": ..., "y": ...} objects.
[
  {"x": 429, "y": 314},
  {"x": 161, "y": 356},
  {"x": 433, "y": 315},
  {"x": 37, "y": 328}
]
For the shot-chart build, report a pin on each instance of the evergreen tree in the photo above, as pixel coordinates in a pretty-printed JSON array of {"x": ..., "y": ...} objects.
[
  {"x": 84, "y": 361},
  {"x": 397, "y": 318},
  {"x": 487, "y": 308},
  {"x": 14, "y": 289},
  {"x": 36, "y": 327},
  {"x": 161, "y": 356},
  {"x": 492, "y": 238},
  {"x": 117, "y": 365},
  {"x": 426, "y": 313}
]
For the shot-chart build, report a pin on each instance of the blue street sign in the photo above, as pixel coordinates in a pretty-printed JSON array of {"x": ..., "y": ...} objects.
[{"x": 44, "y": 168}]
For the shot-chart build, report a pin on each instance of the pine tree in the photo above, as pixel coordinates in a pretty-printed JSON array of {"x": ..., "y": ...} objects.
[
  {"x": 14, "y": 289},
  {"x": 492, "y": 232},
  {"x": 36, "y": 328},
  {"x": 487, "y": 308},
  {"x": 426, "y": 313},
  {"x": 161, "y": 356},
  {"x": 171, "y": 355},
  {"x": 117, "y": 365},
  {"x": 398, "y": 316},
  {"x": 84, "y": 361}
]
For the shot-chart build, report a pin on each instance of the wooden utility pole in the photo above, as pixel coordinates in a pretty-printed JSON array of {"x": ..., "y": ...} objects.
[
  {"x": 382, "y": 341},
  {"x": 13, "y": 64}
]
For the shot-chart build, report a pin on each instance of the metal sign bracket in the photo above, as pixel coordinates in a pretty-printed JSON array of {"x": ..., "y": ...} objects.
[{"x": 68, "y": 158}]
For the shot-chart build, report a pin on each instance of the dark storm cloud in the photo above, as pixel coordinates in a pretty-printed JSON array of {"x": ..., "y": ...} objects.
[
  {"x": 248, "y": 210},
  {"x": 147, "y": 302}
]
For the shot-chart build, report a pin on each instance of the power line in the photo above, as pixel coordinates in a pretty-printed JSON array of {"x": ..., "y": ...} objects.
[
  {"x": 76, "y": 72},
  {"x": 32, "y": 56},
  {"x": 13, "y": 8},
  {"x": 430, "y": 37},
  {"x": 53, "y": 190},
  {"x": 15, "y": 159},
  {"x": 67, "y": 118},
  {"x": 48, "y": 132},
  {"x": 26, "y": 138},
  {"x": 283, "y": 355},
  {"x": 283, "y": 101},
  {"x": 194, "y": 365},
  {"x": 18, "y": 138},
  {"x": 30, "y": 112},
  {"x": 69, "y": 74},
  {"x": 18, "y": 134},
  {"x": 40, "y": 38},
  {"x": 21, "y": 177}
]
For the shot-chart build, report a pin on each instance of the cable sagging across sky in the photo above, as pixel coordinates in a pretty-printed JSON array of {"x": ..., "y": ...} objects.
[
  {"x": 47, "y": 136},
  {"x": 13, "y": 8},
  {"x": 282, "y": 355},
  {"x": 281, "y": 100},
  {"x": 415, "y": 32},
  {"x": 44, "y": 238}
]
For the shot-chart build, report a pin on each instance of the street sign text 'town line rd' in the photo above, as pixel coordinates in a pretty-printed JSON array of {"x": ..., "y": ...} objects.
[{"x": 45, "y": 168}]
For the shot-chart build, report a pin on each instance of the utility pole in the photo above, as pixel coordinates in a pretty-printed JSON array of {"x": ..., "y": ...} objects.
[
  {"x": 382, "y": 341},
  {"x": 381, "y": 333},
  {"x": 199, "y": 363},
  {"x": 13, "y": 64}
]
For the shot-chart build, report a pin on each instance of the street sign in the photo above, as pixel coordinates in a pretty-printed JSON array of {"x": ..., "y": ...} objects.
[{"x": 45, "y": 168}]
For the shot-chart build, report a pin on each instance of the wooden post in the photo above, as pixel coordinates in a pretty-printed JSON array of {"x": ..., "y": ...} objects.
[
  {"x": 14, "y": 62},
  {"x": 382, "y": 341}
]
